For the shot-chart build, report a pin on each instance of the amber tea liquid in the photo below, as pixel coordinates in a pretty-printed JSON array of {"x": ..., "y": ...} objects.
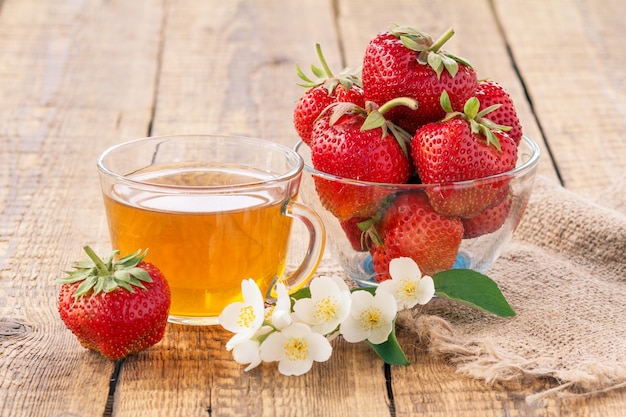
[{"x": 204, "y": 243}]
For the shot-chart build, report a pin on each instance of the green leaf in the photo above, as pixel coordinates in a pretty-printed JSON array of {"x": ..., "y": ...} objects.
[
  {"x": 473, "y": 289},
  {"x": 390, "y": 350},
  {"x": 304, "y": 292}
]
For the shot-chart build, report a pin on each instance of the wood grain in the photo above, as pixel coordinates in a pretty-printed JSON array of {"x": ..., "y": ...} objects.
[
  {"x": 73, "y": 80},
  {"x": 230, "y": 67},
  {"x": 572, "y": 59}
]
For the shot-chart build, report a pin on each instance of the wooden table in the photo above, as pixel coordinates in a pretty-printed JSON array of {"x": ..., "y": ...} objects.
[{"x": 79, "y": 75}]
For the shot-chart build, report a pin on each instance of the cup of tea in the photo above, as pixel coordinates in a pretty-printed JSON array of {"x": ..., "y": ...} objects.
[{"x": 211, "y": 211}]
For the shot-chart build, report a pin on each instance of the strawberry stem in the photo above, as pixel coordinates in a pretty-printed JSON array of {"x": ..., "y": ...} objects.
[
  {"x": 320, "y": 55},
  {"x": 399, "y": 101},
  {"x": 442, "y": 40},
  {"x": 102, "y": 268}
]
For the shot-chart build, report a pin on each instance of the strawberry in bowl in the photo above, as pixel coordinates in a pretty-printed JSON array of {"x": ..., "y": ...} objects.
[
  {"x": 445, "y": 185},
  {"x": 407, "y": 224}
]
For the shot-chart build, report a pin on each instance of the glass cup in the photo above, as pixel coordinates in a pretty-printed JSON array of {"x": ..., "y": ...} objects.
[{"x": 212, "y": 211}]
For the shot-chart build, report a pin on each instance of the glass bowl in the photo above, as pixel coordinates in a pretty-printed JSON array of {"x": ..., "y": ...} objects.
[{"x": 471, "y": 238}]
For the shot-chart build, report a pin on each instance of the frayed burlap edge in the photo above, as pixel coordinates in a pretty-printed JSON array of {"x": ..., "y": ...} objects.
[{"x": 482, "y": 359}]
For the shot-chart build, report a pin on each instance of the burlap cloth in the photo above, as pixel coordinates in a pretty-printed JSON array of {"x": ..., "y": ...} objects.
[{"x": 564, "y": 273}]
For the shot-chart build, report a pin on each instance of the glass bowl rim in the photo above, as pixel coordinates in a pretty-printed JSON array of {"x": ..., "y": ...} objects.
[{"x": 520, "y": 170}]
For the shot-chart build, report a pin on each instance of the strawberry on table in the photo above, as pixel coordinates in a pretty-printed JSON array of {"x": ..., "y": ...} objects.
[
  {"x": 356, "y": 143},
  {"x": 463, "y": 146},
  {"x": 404, "y": 62},
  {"x": 491, "y": 93},
  {"x": 321, "y": 92},
  {"x": 411, "y": 228},
  {"x": 118, "y": 307}
]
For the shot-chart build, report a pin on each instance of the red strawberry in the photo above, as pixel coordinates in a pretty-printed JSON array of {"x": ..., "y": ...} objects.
[
  {"x": 491, "y": 93},
  {"x": 354, "y": 143},
  {"x": 356, "y": 230},
  {"x": 116, "y": 308},
  {"x": 464, "y": 146},
  {"x": 411, "y": 228},
  {"x": 487, "y": 221},
  {"x": 322, "y": 92},
  {"x": 404, "y": 62}
]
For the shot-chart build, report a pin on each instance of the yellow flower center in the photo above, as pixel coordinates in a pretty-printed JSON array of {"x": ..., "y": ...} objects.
[
  {"x": 371, "y": 318},
  {"x": 407, "y": 289},
  {"x": 246, "y": 316},
  {"x": 326, "y": 309},
  {"x": 296, "y": 349}
]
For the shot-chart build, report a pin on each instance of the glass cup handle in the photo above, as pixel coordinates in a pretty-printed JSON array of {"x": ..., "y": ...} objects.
[{"x": 315, "y": 249}]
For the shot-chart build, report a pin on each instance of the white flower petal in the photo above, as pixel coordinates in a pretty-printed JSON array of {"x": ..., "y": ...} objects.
[
  {"x": 320, "y": 348},
  {"x": 352, "y": 331},
  {"x": 360, "y": 301},
  {"x": 295, "y": 348},
  {"x": 387, "y": 286},
  {"x": 404, "y": 267},
  {"x": 237, "y": 339},
  {"x": 341, "y": 284},
  {"x": 247, "y": 353},
  {"x": 304, "y": 309},
  {"x": 426, "y": 290},
  {"x": 387, "y": 304},
  {"x": 281, "y": 313},
  {"x": 244, "y": 318},
  {"x": 273, "y": 347},
  {"x": 380, "y": 334},
  {"x": 295, "y": 368},
  {"x": 230, "y": 316},
  {"x": 251, "y": 292},
  {"x": 328, "y": 306},
  {"x": 322, "y": 285},
  {"x": 371, "y": 317}
]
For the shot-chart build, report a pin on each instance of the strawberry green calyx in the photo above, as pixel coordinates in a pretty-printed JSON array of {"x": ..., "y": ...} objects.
[
  {"x": 324, "y": 76},
  {"x": 376, "y": 119},
  {"x": 477, "y": 120},
  {"x": 429, "y": 51},
  {"x": 99, "y": 276}
]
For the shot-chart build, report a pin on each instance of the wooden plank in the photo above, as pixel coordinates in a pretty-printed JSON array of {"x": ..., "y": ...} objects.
[
  {"x": 229, "y": 68},
  {"x": 75, "y": 77},
  {"x": 572, "y": 60}
]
